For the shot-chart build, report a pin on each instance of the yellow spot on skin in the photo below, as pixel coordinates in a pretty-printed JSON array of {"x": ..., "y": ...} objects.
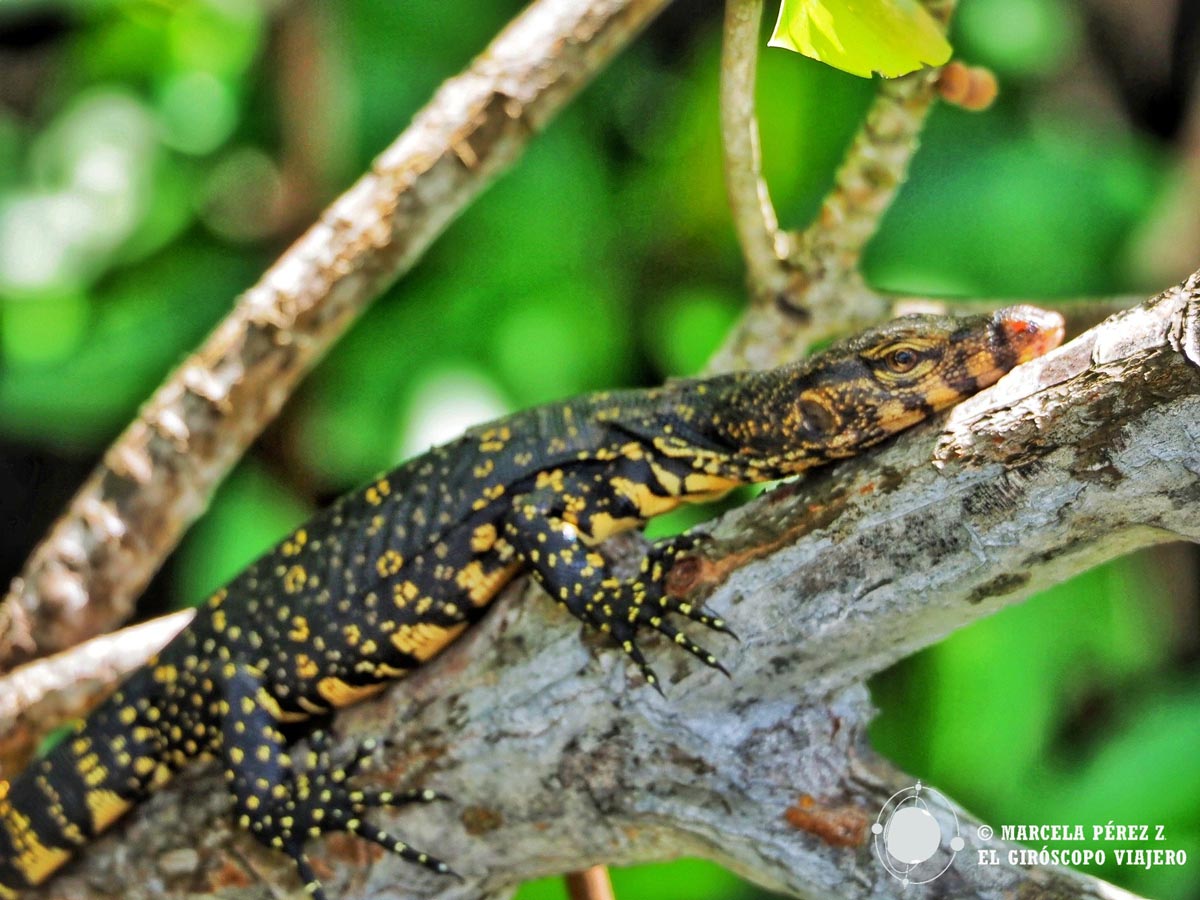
[
  {"x": 483, "y": 538},
  {"x": 314, "y": 708},
  {"x": 165, "y": 674},
  {"x": 403, "y": 592},
  {"x": 669, "y": 480},
  {"x": 602, "y": 526},
  {"x": 339, "y": 693},
  {"x": 481, "y": 585},
  {"x": 981, "y": 365},
  {"x": 127, "y": 715},
  {"x": 106, "y": 807},
  {"x": 299, "y": 630},
  {"x": 647, "y": 502},
  {"x": 306, "y": 667},
  {"x": 389, "y": 563},
  {"x": 939, "y": 396},
  {"x": 376, "y": 492},
  {"x": 700, "y": 487},
  {"x": 271, "y": 705},
  {"x": 552, "y": 479},
  {"x": 38, "y": 862},
  {"x": 294, "y": 578},
  {"x": 894, "y": 417},
  {"x": 295, "y": 544},
  {"x": 424, "y": 639}
]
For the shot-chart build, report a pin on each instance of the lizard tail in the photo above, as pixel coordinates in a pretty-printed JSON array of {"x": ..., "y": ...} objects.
[{"x": 74, "y": 792}]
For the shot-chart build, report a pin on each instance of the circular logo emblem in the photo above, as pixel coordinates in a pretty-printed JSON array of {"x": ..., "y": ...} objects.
[{"x": 909, "y": 839}]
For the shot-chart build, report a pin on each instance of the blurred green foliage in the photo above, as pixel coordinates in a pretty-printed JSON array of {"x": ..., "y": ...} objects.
[{"x": 160, "y": 155}]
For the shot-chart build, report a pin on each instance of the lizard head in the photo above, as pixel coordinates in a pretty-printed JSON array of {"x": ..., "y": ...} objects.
[{"x": 862, "y": 390}]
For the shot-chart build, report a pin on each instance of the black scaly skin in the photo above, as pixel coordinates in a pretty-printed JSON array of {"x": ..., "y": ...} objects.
[{"x": 385, "y": 578}]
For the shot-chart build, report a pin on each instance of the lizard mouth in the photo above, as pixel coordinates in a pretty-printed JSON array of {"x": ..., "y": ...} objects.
[{"x": 1030, "y": 331}]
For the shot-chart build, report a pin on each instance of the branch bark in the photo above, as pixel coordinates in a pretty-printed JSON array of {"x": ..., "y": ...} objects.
[
  {"x": 764, "y": 246},
  {"x": 156, "y": 479},
  {"x": 558, "y": 756}
]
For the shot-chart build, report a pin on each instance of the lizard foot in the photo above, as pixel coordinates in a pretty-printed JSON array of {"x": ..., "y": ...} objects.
[{"x": 316, "y": 798}]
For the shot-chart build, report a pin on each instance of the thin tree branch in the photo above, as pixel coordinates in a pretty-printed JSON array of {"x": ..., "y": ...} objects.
[
  {"x": 873, "y": 170},
  {"x": 806, "y": 285},
  {"x": 83, "y": 578},
  {"x": 556, "y": 753},
  {"x": 763, "y": 245},
  {"x": 590, "y": 884}
]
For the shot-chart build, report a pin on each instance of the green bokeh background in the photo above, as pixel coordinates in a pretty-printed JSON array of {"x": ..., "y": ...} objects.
[{"x": 155, "y": 157}]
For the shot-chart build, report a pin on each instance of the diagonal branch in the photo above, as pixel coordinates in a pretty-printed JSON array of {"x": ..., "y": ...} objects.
[
  {"x": 84, "y": 576},
  {"x": 559, "y": 756}
]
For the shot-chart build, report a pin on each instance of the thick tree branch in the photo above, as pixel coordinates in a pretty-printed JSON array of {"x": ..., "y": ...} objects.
[
  {"x": 558, "y": 755},
  {"x": 83, "y": 578}
]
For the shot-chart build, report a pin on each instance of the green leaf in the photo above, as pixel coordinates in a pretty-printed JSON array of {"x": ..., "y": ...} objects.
[{"x": 891, "y": 37}]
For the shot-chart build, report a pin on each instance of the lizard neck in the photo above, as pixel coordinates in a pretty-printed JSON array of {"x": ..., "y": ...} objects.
[{"x": 746, "y": 426}]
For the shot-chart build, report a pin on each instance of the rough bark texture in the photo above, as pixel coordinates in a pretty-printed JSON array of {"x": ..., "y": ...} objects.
[
  {"x": 558, "y": 756},
  {"x": 82, "y": 580}
]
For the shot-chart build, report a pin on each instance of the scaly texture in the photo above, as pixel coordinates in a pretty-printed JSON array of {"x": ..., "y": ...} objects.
[{"x": 388, "y": 576}]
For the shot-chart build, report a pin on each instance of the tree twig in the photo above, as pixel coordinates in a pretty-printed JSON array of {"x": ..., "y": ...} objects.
[
  {"x": 807, "y": 284},
  {"x": 590, "y": 884},
  {"x": 557, "y": 754},
  {"x": 83, "y": 577},
  {"x": 764, "y": 246}
]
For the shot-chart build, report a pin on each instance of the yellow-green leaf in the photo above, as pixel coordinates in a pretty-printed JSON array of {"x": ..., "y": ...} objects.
[{"x": 891, "y": 37}]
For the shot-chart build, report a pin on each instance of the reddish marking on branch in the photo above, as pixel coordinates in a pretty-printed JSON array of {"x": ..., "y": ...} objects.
[
  {"x": 696, "y": 573},
  {"x": 229, "y": 875},
  {"x": 838, "y": 826}
]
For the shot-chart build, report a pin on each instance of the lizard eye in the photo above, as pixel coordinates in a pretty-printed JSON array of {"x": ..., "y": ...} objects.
[{"x": 902, "y": 360}]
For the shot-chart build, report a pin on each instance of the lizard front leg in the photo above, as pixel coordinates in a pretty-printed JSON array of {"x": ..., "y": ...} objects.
[
  {"x": 542, "y": 528},
  {"x": 284, "y": 804}
]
